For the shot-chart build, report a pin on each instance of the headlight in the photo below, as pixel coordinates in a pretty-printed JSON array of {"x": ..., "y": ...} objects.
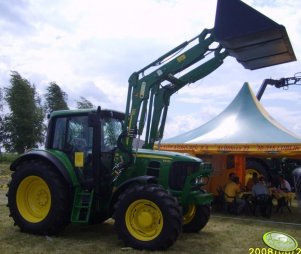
[{"x": 202, "y": 180}]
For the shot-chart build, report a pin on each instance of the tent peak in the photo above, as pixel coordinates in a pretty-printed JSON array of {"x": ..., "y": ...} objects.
[{"x": 244, "y": 120}]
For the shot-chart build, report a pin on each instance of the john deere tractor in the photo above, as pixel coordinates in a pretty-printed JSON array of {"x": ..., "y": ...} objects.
[{"x": 95, "y": 164}]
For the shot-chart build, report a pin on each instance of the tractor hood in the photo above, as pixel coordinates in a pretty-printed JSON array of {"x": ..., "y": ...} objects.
[{"x": 164, "y": 155}]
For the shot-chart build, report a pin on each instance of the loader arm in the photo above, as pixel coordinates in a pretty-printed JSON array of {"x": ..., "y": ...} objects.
[
  {"x": 148, "y": 97},
  {"x": 279, "y": 83},
  {"x": 239, "y": 31}
]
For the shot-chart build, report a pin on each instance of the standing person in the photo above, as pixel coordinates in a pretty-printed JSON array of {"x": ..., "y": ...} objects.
[{"x": 297, "y": 182}]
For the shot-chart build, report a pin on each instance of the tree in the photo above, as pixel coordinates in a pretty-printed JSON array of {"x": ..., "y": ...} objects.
[
  {"x": 1, "y": 100},
  {"x": 1, "y": 119},
  {"x": 55, "y": 98},
  {"x": 23, "y": 126},
  {"x": 84, "y": 103}
]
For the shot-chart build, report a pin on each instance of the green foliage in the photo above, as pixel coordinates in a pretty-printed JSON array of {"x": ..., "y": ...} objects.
[
  {"x": 5, "y": 161},
  {"x": 1, "y": 117},
  {"x": 23, "y": 126},
  {"x": 8, "y": 157},
  {"x": 55, "y": 98},
  {"x": 1, "y": 99},
  {"x": 83, "y": 103}
]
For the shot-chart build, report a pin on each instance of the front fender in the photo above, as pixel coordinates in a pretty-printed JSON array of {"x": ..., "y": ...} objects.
[
  {"x": 57, "y": 159},
  {"x": 138, "y": 180}
]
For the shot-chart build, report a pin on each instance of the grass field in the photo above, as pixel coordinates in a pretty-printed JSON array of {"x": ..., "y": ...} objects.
[{"x": 223, "y": 234}]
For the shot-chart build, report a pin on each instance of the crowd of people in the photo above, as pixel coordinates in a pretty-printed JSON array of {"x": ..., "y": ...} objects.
[{"x": 256, "y": 189}]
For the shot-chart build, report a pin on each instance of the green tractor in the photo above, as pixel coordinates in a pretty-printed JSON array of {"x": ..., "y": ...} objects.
[
  {"x": 80, "y": 177},
  {"x": 94, "y": 167}
]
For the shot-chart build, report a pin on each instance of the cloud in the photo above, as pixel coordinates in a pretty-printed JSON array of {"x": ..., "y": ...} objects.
[
  {"x": 14, "y": 21},
  {"x": 90, "y": 50},
  {"x": 180, "y": 124},
  {"x": 289, "y": 119}
]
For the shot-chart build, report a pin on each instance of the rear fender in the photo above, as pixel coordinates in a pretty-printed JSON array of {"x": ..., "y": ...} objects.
[{"x": 57, "y": 159}]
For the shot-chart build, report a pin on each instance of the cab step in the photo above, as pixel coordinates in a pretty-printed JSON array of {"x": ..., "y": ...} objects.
[{"x": 82, "y": 205}]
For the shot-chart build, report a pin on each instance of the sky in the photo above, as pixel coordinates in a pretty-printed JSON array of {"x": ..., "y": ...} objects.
[{"x": 91, "y": 47}]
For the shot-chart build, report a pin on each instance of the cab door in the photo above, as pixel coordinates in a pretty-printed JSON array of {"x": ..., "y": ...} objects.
[{"x": 111, "y": 129}]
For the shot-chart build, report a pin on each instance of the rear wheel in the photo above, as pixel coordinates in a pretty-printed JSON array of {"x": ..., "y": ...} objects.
[
  {"x": 195, "y": 218},
  {"x": 254, "y": 166},
  {"x": 147, "y": 217},
  {"x": 38, "y": 199}
]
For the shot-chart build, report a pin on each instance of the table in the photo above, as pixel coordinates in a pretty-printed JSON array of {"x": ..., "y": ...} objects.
[{"x": 284, "y": 199}]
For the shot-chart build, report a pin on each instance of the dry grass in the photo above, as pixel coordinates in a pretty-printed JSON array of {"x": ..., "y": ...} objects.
[
  {"x": 222, "y": 234},
  {"x": 4, "y": 168}
]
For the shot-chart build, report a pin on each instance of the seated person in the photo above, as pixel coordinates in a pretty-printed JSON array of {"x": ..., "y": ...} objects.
[
  {"x": 284, "y": 184},
  {"x": 232, "y": 191},
  {"x": 261, "y": 197},
  {"x": 283, "y": 194},
  {"x": 259, "y": 187},
  {"x": 230, "y": 179}
]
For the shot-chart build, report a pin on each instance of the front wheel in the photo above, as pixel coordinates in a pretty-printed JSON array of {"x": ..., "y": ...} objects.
[
  {"x": 39, "y": 199},
  {"x": 147, "y": 217},
  {"x": 195, "y": 218}
]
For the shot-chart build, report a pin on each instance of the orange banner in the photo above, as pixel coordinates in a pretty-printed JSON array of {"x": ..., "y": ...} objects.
[{"x": 267, "y": 149}]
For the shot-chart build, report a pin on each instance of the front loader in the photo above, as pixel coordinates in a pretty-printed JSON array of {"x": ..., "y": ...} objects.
[{"x": 92, "y": 167}]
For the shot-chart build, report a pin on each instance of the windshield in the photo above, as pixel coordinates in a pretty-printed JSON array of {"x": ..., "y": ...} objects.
[
  {"x": 73, "y": 133},
  {"x": 112, "y": 128}
]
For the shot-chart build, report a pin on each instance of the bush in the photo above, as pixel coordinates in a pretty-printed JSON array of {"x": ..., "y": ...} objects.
[{"x": 8, "y": 157}]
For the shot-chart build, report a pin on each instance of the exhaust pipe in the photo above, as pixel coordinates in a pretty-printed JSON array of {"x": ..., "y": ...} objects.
[{"x": 253, "y": 39}]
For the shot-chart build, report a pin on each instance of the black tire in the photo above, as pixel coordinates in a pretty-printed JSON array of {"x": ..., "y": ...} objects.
[
  {"x": 195, "y": 218},
  {"x": 147, "y": 217},
  {"x": 39, "y": 199}
]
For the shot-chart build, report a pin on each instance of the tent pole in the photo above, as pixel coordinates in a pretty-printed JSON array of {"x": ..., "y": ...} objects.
[{"x": 240, "y": 166}]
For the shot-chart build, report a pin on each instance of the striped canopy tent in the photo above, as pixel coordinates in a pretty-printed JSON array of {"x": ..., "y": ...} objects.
[{"x": 244, "y": 127}]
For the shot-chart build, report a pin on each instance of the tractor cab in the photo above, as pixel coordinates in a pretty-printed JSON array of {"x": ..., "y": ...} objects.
[{"x": 88, "y": 138}]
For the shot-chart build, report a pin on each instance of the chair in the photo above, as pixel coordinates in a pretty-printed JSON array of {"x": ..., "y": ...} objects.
[
  {"x": 282, "y": 203},
  {"x": 220, "y": 200},
  {"x": 264, "y": 203},
  {"x": 231, "y": 207},
  {"x": 283, "y": 200},
  {"x": 222, "y": 204}
]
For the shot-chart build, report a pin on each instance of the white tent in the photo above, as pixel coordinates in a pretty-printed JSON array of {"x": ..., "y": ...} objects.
[{"x": 243, "y": 127}]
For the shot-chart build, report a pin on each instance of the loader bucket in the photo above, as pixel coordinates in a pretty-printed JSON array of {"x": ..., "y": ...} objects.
[{"x": 252, "y": 38}]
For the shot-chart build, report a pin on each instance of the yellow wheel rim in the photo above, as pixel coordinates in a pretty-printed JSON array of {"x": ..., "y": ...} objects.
[
  {"x": 33, "y": 199},
  {"x": 189, "y": 215},
  {"x": 249, "y": 174},
  {"x": 144, "y": 220}
]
